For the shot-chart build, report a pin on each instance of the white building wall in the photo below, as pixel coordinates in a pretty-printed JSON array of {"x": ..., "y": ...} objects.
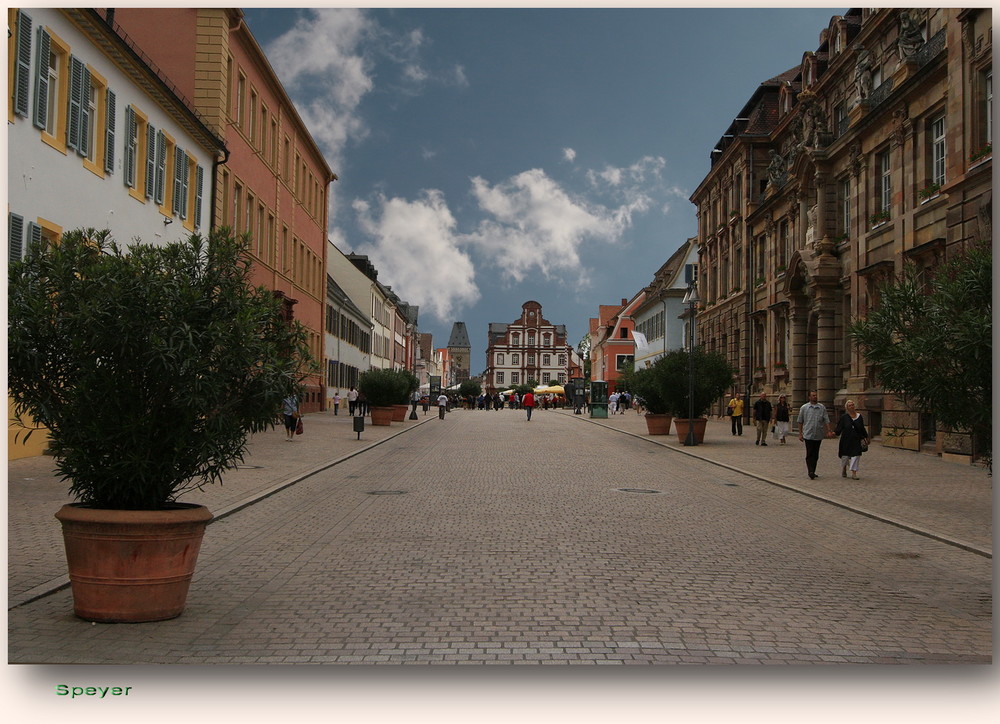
[{"x": 45, "y": 184}]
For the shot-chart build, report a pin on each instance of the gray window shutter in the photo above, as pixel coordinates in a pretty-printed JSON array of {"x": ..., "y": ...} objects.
[
  {"x": 42, "y": 79},
  {"x": 131, "y": 146},
  {"x": 22, "y": 78},
  {"x": 15, "y": 236},
  {"x": 161, "y": 166},
  {"x": 85, "y": 119},
  {"x": 109, "y": 134},
  {"x": 150, "y": 160},
  {"x": 184, "y": 185},
  {"x": 75, "y": 98},
  {"x": 199, "y": 180},
  {"x": 179, "y": 169}
]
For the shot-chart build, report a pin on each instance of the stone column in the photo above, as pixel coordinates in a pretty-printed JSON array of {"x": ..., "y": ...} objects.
[
  {"x": 827, "y": 378},
  {"x": 802, "y": 372}
]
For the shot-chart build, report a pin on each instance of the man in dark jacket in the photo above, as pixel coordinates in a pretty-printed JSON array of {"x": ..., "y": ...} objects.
[{"x": 762, "y": 418}]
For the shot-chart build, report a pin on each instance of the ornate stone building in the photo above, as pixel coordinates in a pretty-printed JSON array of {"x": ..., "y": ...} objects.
[
  {"x": 529, "y": 348},
  {"x": 875, "y": 151}
]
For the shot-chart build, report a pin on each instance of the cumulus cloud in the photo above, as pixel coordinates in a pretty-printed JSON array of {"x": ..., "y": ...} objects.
[
  {"x": 414, "y": 246},
  {"x": 322, "y": 63},
  {"x": 536, "y": 227},
  {"x": 569, "y": 154}
]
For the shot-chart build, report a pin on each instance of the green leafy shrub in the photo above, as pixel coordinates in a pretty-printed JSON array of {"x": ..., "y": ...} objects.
[
  {"x": 150, "y": 365},
  {"x": 385, "y": 387}
]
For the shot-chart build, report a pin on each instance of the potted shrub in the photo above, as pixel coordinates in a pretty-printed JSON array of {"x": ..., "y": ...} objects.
[
  {"x": 408, "y": 383},
  {"x": 383, "y": 388},
  {"x": 149, "y": 366},
  {"x": 712, "y": 376},
  {"x": 648, "y": 387}
]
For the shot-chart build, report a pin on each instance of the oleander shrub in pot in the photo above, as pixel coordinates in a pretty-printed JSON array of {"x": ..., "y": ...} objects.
[{"x": 149, "y": 366}]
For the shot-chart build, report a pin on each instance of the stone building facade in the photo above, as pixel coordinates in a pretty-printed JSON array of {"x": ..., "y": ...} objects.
[
  {"x": 875, "y": 151},
  {"x": 529, "y": 348}
]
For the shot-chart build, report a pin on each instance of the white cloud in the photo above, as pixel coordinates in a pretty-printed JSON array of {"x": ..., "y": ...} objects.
[
  {"x": 536, "y": 227},
  {"x": 569, "y": 154},
  {"x": 416, "y": 251},
  {"x": 322, "y": 63}
]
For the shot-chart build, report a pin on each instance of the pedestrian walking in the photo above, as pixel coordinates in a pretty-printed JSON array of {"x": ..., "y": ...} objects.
[
  {"x": 336, "y": 402},
  {"x": 613, "y": 403},
  {"x": 854, "y": 439},
  {"x": 736, "y": 413},
  {"x": 442, "y": 405},
  {"x": 290, "y": 412},
  {"x": 814, "y": 425},
  {"x": 361, "y": 405},
  {"x": 782, "y": 417},
  {"x": 528, "y": 403},
  {"x": 352, "y": 400},
  {"x": 762, "y": 418}
]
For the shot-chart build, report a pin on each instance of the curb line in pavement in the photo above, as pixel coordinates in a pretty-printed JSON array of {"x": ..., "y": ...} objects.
[
  {"x": 57, "y": 584},
  {"x": 881, "y": 517}
]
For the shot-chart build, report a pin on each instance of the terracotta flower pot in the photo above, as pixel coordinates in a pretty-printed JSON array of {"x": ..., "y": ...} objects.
[
  {"x": 681, "y": 425},
  {"x": 129, "y": 566},
  {"x": 399, "y": 413},
  {"x": 658, "y": 424},
  {"x": 382, "y": 415}
]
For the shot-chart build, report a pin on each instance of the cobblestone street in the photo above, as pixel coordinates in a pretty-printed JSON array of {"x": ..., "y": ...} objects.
[{"x": 488, "y": 539}]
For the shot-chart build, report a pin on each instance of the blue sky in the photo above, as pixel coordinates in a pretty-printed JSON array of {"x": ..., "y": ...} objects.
[{"x": 491, "y": 156}]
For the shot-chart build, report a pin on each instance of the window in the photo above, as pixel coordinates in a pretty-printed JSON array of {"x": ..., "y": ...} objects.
[
  {"x": 515, "y": 378},
  {"x": 546, "y": 360},
  {"x": 546, "y": 378},
  {"x": 562, "y": 360},
  {"x": 241, "y": 86},
  {"x": 624, "y": 361},
  {"x": 51, "y": 89},
  {"x": 531, "y": 360},
  {"x": 237, "y": 217},
  {"x": 500, "y": 378},
  {"x": 841, "y": 120},
  {"x": 181, "y": 183},
  {"x": 783, "y": 243},
  {"x": 988, "y": 93},
  {"x": 884, "y": 178},
  {"x": 546, "y": 340},
  {"x": 500, "y": 358},
  {"x": 515, "y": 359},
  {"x": 531, "y": 339},
  {"x": 937, "y": 150},
  {"x": 623, "y": 333},
  {"x": 252, "y": 130}
]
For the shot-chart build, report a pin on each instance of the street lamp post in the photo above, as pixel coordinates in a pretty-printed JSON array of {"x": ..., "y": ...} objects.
[{"x": 691, "y": 299}]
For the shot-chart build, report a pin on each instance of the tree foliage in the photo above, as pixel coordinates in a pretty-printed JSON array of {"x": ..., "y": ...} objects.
[
  {"x": 930, "y": 341},
  {"x": 470, "y": 388},
  {"x": 664, "y": 387},
  {"x": 386, "y": 387},
  {"x": 149, "y": 365}
]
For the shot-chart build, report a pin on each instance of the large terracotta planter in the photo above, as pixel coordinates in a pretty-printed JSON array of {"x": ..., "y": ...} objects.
[
  {"x": 658, "y": 424},
  {"x": 129, "y": 566},
  {"x": 399, "y": 413},
  {"x": 382, "y": 415},
  {"x": 681, "y": 425}
]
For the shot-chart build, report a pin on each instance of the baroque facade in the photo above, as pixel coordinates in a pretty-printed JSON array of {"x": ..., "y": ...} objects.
[
  {"x": 529, "y": 348},
  {"x": 875, "y": 151}
]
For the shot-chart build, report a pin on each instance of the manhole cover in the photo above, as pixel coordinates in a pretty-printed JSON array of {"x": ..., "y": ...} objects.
[
  {"x": 905, "y": 556},
  {"x": 387, "y": 492},
  {"x": 249, "y": 467},
  {"x": 638, "y": 490},
  {"x": 731, "y": 485}
]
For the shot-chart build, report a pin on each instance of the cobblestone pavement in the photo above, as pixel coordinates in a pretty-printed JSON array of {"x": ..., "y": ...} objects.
[{"x": 484, "y": 538}]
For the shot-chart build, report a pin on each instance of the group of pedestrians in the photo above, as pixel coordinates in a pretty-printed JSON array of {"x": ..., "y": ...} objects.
[
  {"x": 814, "y": 425},
  {"x": 619, "y": 402}
]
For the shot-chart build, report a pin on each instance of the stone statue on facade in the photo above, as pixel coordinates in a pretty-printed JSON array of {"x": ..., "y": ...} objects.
[
  {"x": 811, "y": 225},
  {"x": 911, "y": 39},
  {"x": 863, "y": 73},
  {"x": 776, "y": 169},
  {"x": 812, "y": 119}
]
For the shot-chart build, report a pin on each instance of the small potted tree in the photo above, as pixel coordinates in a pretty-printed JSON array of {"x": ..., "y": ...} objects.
[
  {"x": 383, "y": 388},
  {"x": 648, "y": 387},
  {"x": 149, "y": 367},
  {"x": 712, "y": 375}
]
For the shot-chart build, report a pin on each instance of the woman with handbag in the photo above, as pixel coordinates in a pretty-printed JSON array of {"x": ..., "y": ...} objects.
[
  {"x": 853, "y": 439},
  {"x": 290, "y": 411}
]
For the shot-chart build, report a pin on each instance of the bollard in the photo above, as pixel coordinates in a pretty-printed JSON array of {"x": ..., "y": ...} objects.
[{"x": 359, "y": 426}]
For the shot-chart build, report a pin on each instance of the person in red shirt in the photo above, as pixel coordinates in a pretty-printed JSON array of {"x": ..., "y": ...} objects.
[{"x": 528, "y": 403}]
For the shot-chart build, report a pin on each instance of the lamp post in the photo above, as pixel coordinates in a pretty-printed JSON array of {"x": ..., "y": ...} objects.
[{"x": 691, "y": 299}]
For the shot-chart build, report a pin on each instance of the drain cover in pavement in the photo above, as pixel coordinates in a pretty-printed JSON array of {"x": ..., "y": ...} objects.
[
  {"x": 638, "y": 490},
  {"x": 249, "y": 467},
  {"x": 387, "y": 492}
]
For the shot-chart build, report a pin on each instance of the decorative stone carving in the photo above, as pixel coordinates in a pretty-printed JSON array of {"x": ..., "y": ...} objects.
[
  {"x": 862, "y": 73},
  {"x": 811, "y": 225},
  {"x": 812, "y": 119},
  {"x": 857, "y": 160},
  {"x": 777, "y": 169},
  {"x": 910, "y": 37},
  {"x": 902, "y": 126}
]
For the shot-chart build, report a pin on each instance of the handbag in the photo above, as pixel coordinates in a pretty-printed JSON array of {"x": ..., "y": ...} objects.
[
  {"x": 864, "y": 444},
  {"x": 298, "y": 427}
]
